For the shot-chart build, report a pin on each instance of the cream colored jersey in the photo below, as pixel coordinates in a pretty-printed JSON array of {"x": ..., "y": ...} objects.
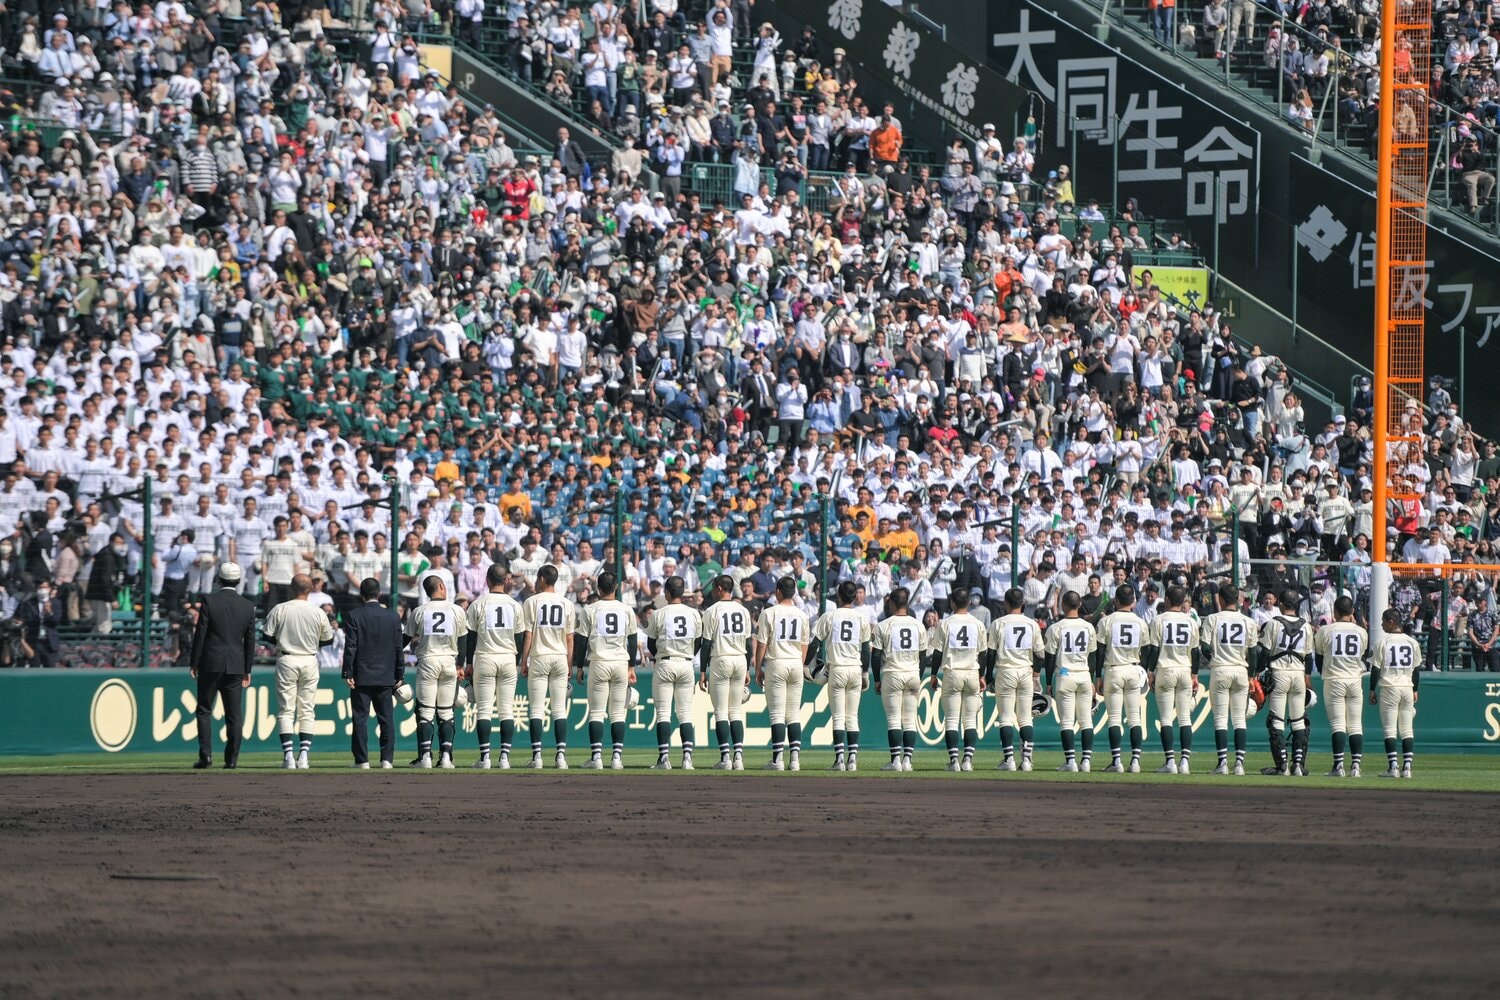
[
  {"x": 298, "y": 628},
  {"x": 550, "y": 619},
  {"x": 676, "y": 629},
  {"x": 1229, "y": 636},
  {"x": 1017, "y": 642},
  {"x": 1342, "y": 646},
  {"x": 1290, "y": 636},
  {"x": 1122, "y": 634},
  {"x": 1397, "y": 655},
  {"x": 843, "y": 632},
  {"x": 727, "y": 627},
  {"x": 493, "y": 619},
  {"x": 369, "y": 565},
  {"x": 785, "y": 632},
  {"x": 608, "y": 626},
  {"x": 278, "y": 557},
  {"x": 959, "y": 639},
  {"x": 1070, "y": 641},
  {"x": 436, "y": 627},
  {"x": 1175, "y": 635},
  {"x": 900, "y": 639}
]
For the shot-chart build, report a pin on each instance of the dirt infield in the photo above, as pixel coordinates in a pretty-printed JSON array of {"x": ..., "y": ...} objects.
[{"x": 683, "y": 885}]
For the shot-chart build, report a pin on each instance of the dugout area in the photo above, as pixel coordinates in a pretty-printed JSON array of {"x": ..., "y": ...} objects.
[{"x": 332, "y": 884}]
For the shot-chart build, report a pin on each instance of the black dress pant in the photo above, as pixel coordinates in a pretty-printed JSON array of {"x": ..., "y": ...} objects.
[
  {"x": 360, "y": 699},
  {"x": 231, "y": 687}
]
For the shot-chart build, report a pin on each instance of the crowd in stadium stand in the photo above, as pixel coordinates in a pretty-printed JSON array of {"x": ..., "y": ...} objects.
[{"x": 270, "y": 278}]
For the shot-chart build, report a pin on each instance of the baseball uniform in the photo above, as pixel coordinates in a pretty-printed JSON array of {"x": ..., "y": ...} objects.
[
  {"x": 1395, "y": 661},
  {"x": 1341, "y": 648},
  {"x": 845, "y": 634},
  {"x": 1229, "y": 637},
  {"x": 958, "y": 642},
  {"x": 607, "y": 626},
  {"x": 1287, "y": 642},
  {"x": 1017, "y": 643},
  {"x": 549, "y": 619},
  {"x": 676, "y": 630},
  {"x": 784, "y": 632},
  {"x": 726, "y": 634},
  {"x": 899, "y": 640},
  {"x": 492, "y": 620},
  {"x": 1070, "y": 643},
  {"x": 1174, "y": 635},
  {"x": 1122, "y": 635},
  {"x": 435, "y": 630},
  {"x": 297, "y": 628}
]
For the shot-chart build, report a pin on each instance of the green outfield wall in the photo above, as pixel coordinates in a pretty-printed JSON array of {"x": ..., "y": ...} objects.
[{"x": 105, "y": 711}]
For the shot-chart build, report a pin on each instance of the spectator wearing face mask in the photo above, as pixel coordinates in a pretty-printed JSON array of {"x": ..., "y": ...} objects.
[
  {"x": 40, "y": 617},
  {"x": 106, "y": 578}
]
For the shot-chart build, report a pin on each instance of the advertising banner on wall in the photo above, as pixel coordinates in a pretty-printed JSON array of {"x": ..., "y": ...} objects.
[
  {"x": 1335, "y": 277},
  {"x": 933, "y": 74},
  {"x": 1178, "y": 156},
  {"x": 110, "y": 711}
]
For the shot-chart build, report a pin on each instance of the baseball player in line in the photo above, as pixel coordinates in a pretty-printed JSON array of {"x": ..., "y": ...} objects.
[
  {"x": 1229, "y": 636},
  {"x": 781, "y": 639},
  {"x": 548, "y": 622},
  {"x": 1341, "y": 647},
  {"x": 298, "y": 628},
  {"x": 1122, "y": 635},
  {"x": 1394, "y": 664},
  {"x": 609, "y": 648},
  {"x": 673, "y": 636},
  {"x": 1072, "y": 662},
  {"x": 727, "y": 626},
  {"x": 1172, "y": 655},
  {"x": 1015, "y": 656},
  {"x": 1286, "y": 640},
  {"x": 896, "y": 665},
  {"x": 492, "y": 665},
  {"x": 844, "y": 634},
  {"x": 435, "y": 630},
  {"x": 955, "y": 646}
]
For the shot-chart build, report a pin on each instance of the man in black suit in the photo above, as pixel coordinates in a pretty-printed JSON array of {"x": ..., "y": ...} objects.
[
  {"x": 40, "y": 615},
  {"x": 373, "y": 669},
  {"x": 569, "y": 154},
  {"x": 223, "y": 653}
]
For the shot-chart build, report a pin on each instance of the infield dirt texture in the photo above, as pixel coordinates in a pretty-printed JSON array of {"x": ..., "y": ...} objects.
[{"x": 336, "y": 885}]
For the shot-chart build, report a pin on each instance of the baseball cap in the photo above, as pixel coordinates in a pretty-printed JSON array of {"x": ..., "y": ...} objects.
[{"x": 229, "y": 572}]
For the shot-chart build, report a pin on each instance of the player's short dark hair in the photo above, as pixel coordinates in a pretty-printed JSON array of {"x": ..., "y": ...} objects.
[
  {"x": 607, "y": 581},
  {"x": 675, "y": 587},
  {"x": 1071, "y": 601},
  {"x": 786, "y": 587},
  {"x": 547, "y": 575},
  {"x": 958, "y": 597},
  {"x": 848, "y": 592},
  {"x": 1176, "y": 594},
  {"x": 369, "y": 589},
  {"x": 431, "y": 584},
  {"x": 1015, "y": 600},
  {"x": 1229, "y": 595},
  {"x": 495, "y": 575},
  {"x": 724, "y": 584},
  {"x": 1344, "y": 606},
  {"x": 1289, "y": 598},
  {"x": 1124, "y": 595},
  {"x": 900, "y": 597},
  {"x": 1390, "y": 616}
]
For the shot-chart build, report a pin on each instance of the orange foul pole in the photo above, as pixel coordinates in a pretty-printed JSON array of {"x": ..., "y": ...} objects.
[{"x": 1400, "y": 263}]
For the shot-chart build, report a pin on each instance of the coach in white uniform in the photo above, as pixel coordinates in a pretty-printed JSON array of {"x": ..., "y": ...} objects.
[{"x": 297, "y": 628}]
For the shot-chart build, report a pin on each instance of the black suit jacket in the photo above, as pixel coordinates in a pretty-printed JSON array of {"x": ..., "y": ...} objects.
[
  {"x": 372, "y": 646},
  {"x": 224, "y": 641}
]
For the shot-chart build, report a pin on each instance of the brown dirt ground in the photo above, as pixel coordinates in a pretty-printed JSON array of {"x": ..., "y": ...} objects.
[{"x": 410, "y": 885}]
